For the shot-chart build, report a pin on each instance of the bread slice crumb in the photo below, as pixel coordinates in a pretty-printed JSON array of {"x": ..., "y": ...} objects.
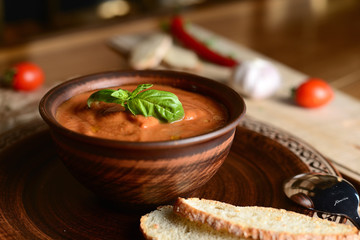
[
  {"x": 181, "y": 58},
  {"x": 261, "y": 222},
  {"x": 149, "y": 52},
  {"x": 164, "y": 224}
]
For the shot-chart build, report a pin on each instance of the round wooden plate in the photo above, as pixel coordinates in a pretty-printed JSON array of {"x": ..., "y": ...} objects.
[{"x": 41, "y": 200}]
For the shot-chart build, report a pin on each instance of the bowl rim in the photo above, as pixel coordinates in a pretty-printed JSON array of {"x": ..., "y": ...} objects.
[{"x": 54, "y": 125}]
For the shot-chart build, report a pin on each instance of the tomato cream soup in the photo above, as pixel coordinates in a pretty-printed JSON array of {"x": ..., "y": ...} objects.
[{"x": 111, "y": 121}]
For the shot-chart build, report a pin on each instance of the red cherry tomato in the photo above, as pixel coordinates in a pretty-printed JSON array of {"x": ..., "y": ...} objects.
[
  {"x": 26, "y": 76},
  {"x": 313, "y": 93}
]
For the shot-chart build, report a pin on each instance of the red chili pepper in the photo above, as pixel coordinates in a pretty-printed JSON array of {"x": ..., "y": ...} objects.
[{"x": 178, "y": 30}]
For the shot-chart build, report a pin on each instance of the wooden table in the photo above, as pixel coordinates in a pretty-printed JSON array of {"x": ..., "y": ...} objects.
[{"x": 303, "y": 38}]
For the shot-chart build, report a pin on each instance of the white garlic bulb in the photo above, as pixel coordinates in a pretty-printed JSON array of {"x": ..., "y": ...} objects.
[{"x": 256, "y": 79}]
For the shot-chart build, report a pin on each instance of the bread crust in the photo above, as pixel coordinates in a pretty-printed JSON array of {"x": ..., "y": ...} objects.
[
  {"x": 143, "y": 227},
  {"x": 182, "y": 208}
]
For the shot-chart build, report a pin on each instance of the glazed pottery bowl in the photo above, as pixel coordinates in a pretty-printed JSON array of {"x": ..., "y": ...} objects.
[{"x": 142, "y": 173}]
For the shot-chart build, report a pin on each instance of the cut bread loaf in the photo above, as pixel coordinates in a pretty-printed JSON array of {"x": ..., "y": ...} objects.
[
  {"x": 164, "y": 224},
  {"x": 261, "y": 222},
  {"x": 181, "y": 58},
  {"x": 150, "y": 52}
]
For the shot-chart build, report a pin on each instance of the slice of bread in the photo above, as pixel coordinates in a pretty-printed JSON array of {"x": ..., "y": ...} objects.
[
  {"x": 164, "y": 224},
  {"x": 149, "y": 52},
  {"x": 181, "y": 58},
  {"x": 261, "y": 222}
]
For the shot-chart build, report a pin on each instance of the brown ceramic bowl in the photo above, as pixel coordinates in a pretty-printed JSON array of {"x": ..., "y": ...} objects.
[{"x": 142, "y": 173}]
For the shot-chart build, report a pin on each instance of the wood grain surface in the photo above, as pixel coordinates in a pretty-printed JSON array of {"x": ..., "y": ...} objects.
[{"x": 41, "y": 200}]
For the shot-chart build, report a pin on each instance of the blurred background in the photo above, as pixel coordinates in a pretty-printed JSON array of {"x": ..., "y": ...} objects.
[
  {"x": 320, "y": 38},
  {"x": 23, "y": 20}
]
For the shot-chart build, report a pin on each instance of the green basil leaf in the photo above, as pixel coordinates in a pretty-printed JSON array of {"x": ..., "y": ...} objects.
[
  {"x": 162, "y": 105},
  {"x": 121, "y": 94},
  {"x": 104, "y": 95},
  {"x": 140, "y": 88}
]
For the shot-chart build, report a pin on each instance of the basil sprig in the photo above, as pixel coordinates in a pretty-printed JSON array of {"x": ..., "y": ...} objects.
[{"x": 162, "y": 105}]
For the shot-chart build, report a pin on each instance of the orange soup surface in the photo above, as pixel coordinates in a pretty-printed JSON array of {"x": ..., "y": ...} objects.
[{"x": 111, "y": 121}]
